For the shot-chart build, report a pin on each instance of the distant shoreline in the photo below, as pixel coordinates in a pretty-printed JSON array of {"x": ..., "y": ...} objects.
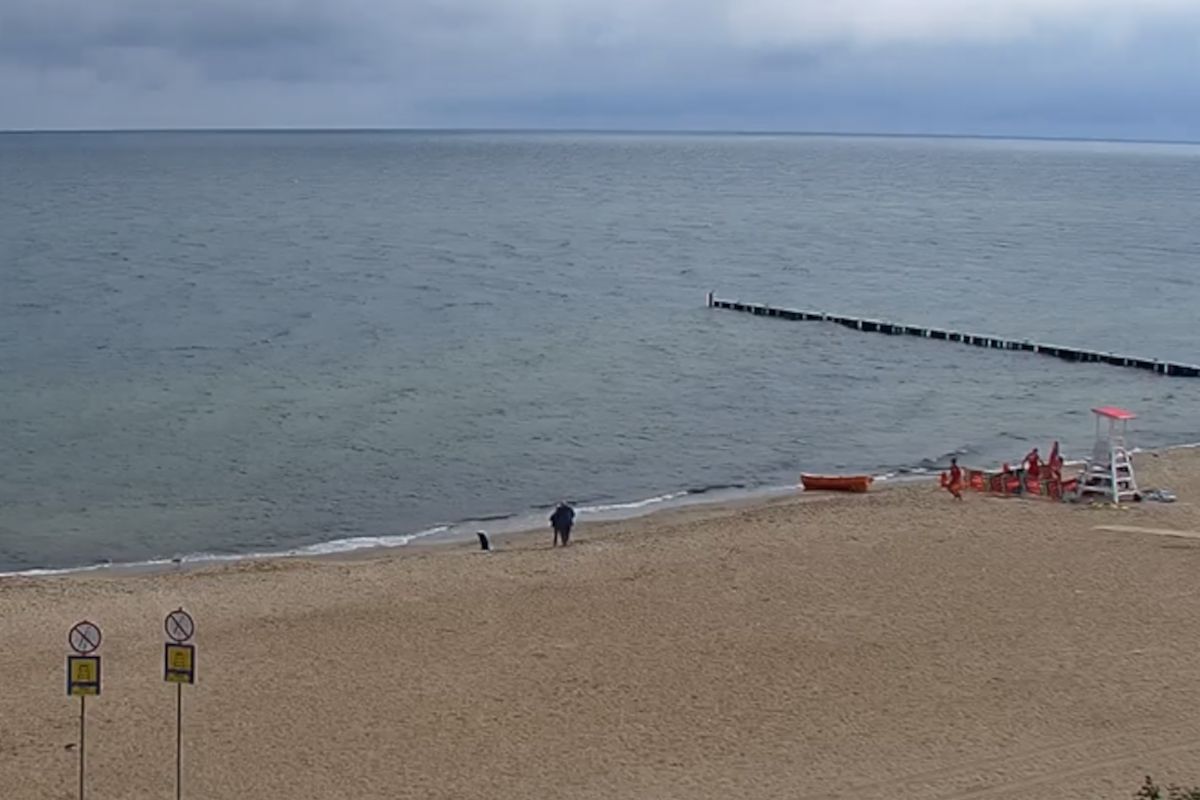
[{"x": 699, "y": 132}]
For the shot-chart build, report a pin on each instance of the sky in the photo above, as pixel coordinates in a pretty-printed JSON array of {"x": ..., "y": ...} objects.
[{"x": 1071, "y": 68}]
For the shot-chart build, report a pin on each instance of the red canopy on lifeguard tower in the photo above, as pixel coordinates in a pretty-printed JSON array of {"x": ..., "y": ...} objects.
[{"x": 1112, "y": 412}]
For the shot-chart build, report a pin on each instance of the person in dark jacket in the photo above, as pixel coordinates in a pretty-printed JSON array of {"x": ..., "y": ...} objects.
[{"x": 561, "y": 520}]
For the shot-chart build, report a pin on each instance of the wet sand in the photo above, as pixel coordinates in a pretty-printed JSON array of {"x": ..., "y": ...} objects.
[{"x": 894, "y": 645}]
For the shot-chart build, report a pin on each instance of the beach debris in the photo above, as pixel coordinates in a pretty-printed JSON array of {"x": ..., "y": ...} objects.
[
  {"x": 1159, "y": 495},
  {"x": 1153, "y": 531},
  {"x": 485, "y": 544}
]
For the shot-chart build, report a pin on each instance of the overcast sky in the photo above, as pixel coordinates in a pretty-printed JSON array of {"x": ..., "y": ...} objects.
[{"x": 1097, "y": 68}]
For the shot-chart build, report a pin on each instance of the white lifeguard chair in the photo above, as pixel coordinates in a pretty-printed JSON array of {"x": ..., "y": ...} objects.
[{"x": 1109, "y": 472}]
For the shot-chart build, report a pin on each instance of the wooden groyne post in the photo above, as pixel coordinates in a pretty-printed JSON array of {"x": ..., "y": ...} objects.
[{"x": 1075, "y": 354}]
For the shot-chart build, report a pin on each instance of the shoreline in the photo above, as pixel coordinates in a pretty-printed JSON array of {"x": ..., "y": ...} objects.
[
  {"x": 447, "y": 536},
  {"x": 497, "y": 528},
  {"x": 455, "y": 533}
]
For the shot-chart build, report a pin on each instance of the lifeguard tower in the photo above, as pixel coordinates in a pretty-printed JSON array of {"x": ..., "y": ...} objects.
[{"x": 1109, "y": 472}]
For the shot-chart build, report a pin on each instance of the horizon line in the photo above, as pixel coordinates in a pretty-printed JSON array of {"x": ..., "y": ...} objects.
[{"x": 615, "y": 131}]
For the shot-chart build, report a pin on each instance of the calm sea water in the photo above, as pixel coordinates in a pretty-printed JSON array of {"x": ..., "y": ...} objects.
[{"x": 229, "y": 343}]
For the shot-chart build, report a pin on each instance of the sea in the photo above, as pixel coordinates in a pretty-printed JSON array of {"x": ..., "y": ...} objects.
[{"x": 222, "y": 344}]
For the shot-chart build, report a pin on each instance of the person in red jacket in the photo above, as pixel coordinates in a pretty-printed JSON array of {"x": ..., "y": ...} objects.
[
  {"x": 1055, "y": 463},
  {"x": 954, "y": 484},
  {"x": 1033, "y": 465}
]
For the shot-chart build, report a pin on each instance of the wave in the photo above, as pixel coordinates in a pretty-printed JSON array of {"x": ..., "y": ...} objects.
[
  {"x": 636, "y": 504},
  {"x": 716, "y": 487},
  {"x": 352, "y": 543},
  {"x": 633, "y": 505},
  {"x": 330, "y": 547},
  {"x": 486, "y": 518},
  {"x": 942, "y": 460}
]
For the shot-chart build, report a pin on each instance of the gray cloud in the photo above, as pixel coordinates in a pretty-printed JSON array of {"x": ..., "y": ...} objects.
[
  {"x": 878, "y": 64},
  {"x": 214, "y": 37}
]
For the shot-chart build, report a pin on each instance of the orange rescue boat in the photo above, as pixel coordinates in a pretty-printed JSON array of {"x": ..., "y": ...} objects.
[{"x": 836, "y": 483}]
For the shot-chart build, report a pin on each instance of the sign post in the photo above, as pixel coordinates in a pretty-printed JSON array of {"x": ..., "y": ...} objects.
[
  {"x": 179, "y": 667},
  {"x": 83, "y": 679}
]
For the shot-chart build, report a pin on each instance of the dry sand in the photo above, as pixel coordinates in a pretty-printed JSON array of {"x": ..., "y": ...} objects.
[{"x": 895, "y": 645}]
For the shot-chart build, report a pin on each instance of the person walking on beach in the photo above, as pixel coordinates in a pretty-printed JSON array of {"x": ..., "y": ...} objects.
[
  {"x": 561, "y": 521},
  {"x": 955, "y": 482}
]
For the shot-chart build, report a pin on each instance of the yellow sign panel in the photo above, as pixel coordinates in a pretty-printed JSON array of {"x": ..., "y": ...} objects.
[
  {"x": 83, "y": 675},
  {"x": 180, "y": 663}
]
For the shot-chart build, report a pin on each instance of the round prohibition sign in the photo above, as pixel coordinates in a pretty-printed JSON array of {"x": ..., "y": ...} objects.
[
  {"x": 84, "y": 637},
  {"x": 179, "y": 626}
]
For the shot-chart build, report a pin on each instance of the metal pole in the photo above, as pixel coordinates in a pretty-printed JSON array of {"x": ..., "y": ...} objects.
[
  {"x": 82, "y": 734},
  {"x": 178, "y": 741}
]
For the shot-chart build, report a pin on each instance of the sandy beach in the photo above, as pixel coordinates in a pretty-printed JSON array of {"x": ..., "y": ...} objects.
[{"x": 893, "y": 645}]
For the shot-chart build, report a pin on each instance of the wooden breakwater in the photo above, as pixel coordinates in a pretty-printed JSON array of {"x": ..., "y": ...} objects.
[{"x": 1075, "y": 354}]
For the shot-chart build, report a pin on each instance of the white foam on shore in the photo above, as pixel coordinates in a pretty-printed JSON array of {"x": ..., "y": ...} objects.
[
  {"x": 632, "y": 506},
  {"x": 1168, "y": 448},
  {"x": 331, "y": 547},
  {"x": 917, "y": 475},
  {"x": 47, "y": 572},
  {"x": 353, "y": 543}
]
